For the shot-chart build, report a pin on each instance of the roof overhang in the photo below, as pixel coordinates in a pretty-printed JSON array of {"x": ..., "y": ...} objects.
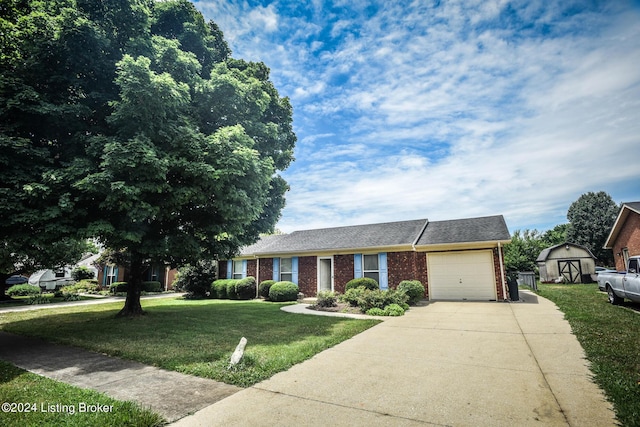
[
  {"x": 617, "y": 226},
  {"x": 327, "y": 252}
]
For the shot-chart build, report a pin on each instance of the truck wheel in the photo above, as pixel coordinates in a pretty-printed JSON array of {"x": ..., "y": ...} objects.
[{"x": 613, "y": 298}]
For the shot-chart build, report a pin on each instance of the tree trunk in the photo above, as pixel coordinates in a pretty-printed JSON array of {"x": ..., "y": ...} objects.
[
  {"x": 3, "y": 287},
  {"x": 132, "y": 307}
]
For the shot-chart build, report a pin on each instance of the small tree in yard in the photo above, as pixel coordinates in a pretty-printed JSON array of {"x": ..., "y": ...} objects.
[{"x": 138, "y": 129}]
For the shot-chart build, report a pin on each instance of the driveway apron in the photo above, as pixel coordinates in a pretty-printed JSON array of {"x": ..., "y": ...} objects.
[{"x": 445, "y": 363}]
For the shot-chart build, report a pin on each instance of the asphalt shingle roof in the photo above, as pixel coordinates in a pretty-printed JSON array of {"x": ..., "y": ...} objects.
[
  {"x": 402, "y": 233},
  {"x": 484, "y": 229}
]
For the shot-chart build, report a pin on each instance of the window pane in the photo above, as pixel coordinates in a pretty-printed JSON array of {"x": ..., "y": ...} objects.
[
  {"x": 237, "y": 267},
  {"x": 370, "y": 262},
  {"x": 286, "y": 277},
  {"x": 373, "y": 275},
  {"x": 237, "y": 275},
  {"x": 285, "y": 265}
]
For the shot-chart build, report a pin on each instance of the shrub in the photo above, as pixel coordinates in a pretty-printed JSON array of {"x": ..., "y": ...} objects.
[
  {"x": 82, "y": 273},
  {"x": 219, "y": 289},
  {"x": 152, "y": 286},
  {"x": 362, "y": 282},
  {"x": 118, "y": 287},
  {"x": 196, "y": 279},
  {"x": 413, "y": 289},
  {"x": 326, "y": 299},
  {"x": 352, "y": 296},
  {"x": 38, "y": 299},
  {"x": 393, "y": 310},
  {"x": 87, "y": 286},
  {"x": 375, "y": 311},
  {"x": 246, "y": 288},
  {"x": 70, "y": 297},
  {"x": 380, "y": 299},
  {"x": 283, "y": 291},
  {"x": 231, "y": 289},
  {"x": 264, "y": 287},
  {"x": 23, "y": 290}
]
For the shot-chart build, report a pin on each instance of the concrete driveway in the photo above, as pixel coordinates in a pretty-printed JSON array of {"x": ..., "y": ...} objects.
[{"x": 446, "y": 363}]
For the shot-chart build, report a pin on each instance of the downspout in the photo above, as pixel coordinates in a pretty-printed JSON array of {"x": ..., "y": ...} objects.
[
  {"x": 502, "y": 271},
  {"x": 257, "y": 275}
]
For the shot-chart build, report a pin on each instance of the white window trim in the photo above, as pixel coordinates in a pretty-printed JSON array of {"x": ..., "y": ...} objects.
[
  {"x": 290, "y": 272},
  {"x": 364, "y": 272},
  {"x": 235, "y": 273}
]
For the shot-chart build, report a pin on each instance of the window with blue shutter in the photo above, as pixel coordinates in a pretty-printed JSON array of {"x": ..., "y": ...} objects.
[
  {"x": 244, "y": 268},
  {"x": 229, "y": 269},
  {"x": 357, "y": 266},
  {"x": 294, "y": 270},
  {"x": 383, "y": 271}
]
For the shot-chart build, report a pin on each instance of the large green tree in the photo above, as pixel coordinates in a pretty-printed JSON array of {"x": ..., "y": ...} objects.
[
  {"x": 591, "y": 218},
  {"x": 128, "y": 121}
]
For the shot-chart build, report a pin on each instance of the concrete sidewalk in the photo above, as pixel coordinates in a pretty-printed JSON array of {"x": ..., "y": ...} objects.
[
  {"x": 170, "y": 394},
  {"x": 447, "y": 363}
]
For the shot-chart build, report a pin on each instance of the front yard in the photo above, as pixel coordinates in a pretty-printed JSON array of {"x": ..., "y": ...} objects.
[{"x": 610, "y": 336}]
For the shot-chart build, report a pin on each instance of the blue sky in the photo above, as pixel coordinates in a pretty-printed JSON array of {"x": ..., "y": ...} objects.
[{"x": 448, "y": 109}]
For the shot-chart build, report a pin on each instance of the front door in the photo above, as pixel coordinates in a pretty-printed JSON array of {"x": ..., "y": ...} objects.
[
  {"x": 325, "y": 274},
  {"x": 570, "y": 270}
]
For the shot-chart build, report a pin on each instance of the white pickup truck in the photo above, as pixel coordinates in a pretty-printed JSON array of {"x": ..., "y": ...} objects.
[{"x": 621, "y": 285}]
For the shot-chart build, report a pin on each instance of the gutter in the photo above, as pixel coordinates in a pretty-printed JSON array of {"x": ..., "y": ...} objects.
[{"x": 502, "y": 272}]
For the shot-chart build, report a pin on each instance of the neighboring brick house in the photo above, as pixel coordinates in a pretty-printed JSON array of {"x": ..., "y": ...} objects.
[
  {"x": 624, "y": 238},
  {"x": 455, "y": 260},
  {"x": 110, "y": 273}
]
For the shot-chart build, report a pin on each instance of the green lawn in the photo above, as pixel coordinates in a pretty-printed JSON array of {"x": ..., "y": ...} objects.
[
  {"x": 35, "y": 401},
  {"x": 193, "y": 336},
  {"x": 610, "y": 336}
]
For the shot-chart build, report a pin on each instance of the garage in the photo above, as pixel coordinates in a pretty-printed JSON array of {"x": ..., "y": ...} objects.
[{"x": 464, "y": 275}]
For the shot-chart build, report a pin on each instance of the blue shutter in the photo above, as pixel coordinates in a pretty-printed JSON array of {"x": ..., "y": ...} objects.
[
  {"x": 276, "y": 269},
  {"x": 229, "y": 269},
  {"x": 115, "y": 274},
  {"x": 104, "y": 275},
  {"x": 294, "y": 269},
  {"x": 357, "y": 266},
  {"x": 382, "y": 266},
  {"x": 244, "y": 268}
]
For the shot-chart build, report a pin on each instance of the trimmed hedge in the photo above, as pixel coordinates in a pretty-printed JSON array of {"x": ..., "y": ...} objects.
[
  {"x": 23, "y": 290},
  {"x": 246, "y": 288},
  {"x": 263, "y": 289},
  {"x": 362, "y": 282},
  {"x": 152, "y": 286},
  {"x": 219, "y": 288},
  {"x": 231, "y": 289},
  {"x": 326, "y": 299},
  {"x": 117, "y": 287},
  {"x": 83, "y": 286},
  {"x": 413, "y": 289},
  {"x": 283, "y": 291}
]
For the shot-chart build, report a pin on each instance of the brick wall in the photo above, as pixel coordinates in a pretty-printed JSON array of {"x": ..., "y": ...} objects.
[
  {"x": 266, "y": 269},
  {"x": 342, "y": 271},
  {"x": 629, "y": 238},
  {"x": 406, "y": 266},
  {"x": 222, "y": 269},
  {"x": 501, "y": 296},
  {"x": 252, "y": 268},
  {"x": 308, "y": 275}
]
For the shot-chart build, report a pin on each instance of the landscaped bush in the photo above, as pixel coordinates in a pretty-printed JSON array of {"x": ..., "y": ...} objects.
[
  {"x": 23, "y": 290},
  {"x": 283, "y": 291},
  {"x": 85, "y": 286},
  {"x": 362, "y": 282},
  {"x": 38, "y": 299},
  {"x": 375, "y": 311},
  {"x": 219, "y": 288},
  {"x": 152, "y": 286},
  {"x": 246, "y": 288},
  {"x": 70, "y": 297},
  {"x": 118, "y": 287},
  {"x": 393, "y": 310},
  {"x": 326, "y": 299},
  {"x": 263, "y": 289},
  {"x": 82, "y": 273},
  {"x": 413, "y": 289},
  {"x": 352, "y": 296},
  {"x": 380, "y": 299},
  {"x": 196, "y": 279},
  {"x": 231, "y": 289}
]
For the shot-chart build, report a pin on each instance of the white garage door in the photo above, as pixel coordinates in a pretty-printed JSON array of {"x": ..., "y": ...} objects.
[{"x": 465, "y": 275}]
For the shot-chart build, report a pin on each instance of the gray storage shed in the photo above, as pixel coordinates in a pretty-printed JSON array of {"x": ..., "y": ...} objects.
[{"x": 567, "y": 262}]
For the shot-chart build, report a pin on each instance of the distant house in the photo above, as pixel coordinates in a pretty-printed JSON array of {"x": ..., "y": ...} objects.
[
  {"x": 455, "y": 260},
  {"x": 52, "y": 279},
  {"x": 111, "y": 273},
  {"x": 568, "y": 262},
  {"x": 624, "y": 238}
]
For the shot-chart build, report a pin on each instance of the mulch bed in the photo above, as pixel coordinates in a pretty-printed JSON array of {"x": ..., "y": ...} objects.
[{"x": 341, "y": 307}]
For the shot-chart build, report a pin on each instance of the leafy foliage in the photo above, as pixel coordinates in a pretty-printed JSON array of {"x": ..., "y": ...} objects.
[
  {"x": 522, "y": 252},
  {"x": 82, "y": 273},
  {"x": 283, "y": 291},
  {"x": 23, "y": 290},
  {"x": 140, "y": 130},
  {"x": 414, "y": 290},
  {"x": 591, "y": 218},
  {"x": 246, "y": 288},
  {"x": 196, "y": 278},
  {"x": 326, "y": 299},
  {"x": 219, "y": 288},
  {"x": 362, "y": 282},
  {"x": 263, "y": 289}
]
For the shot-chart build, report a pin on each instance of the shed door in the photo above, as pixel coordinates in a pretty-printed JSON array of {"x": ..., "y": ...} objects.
[
  {"x": 570, "y": 270},
  {"x": 464, "y": 275}
]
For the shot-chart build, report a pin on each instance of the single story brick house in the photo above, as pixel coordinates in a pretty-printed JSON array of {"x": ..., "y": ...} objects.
[
  {"x": 624, "y": 238},
  {"x": 111, "y": 273},
  {"x": 572, "y": 262},
  {"x": 456, "y": 260}
]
